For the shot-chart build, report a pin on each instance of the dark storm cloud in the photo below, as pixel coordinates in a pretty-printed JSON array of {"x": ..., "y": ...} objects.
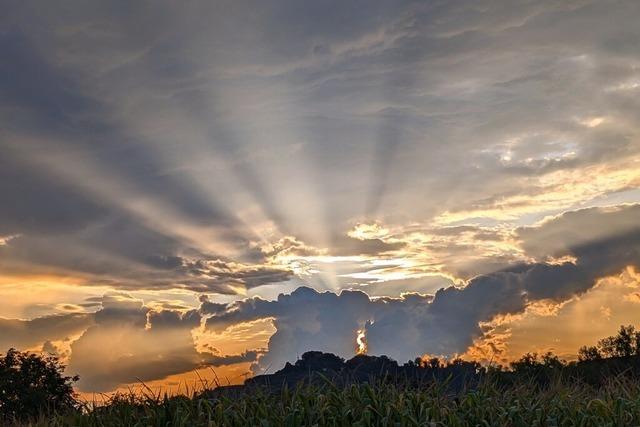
[{"x": 34, "y": 92}]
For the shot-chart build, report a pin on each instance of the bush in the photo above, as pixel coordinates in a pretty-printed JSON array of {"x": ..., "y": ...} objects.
[{"x": 33, "y": 385}]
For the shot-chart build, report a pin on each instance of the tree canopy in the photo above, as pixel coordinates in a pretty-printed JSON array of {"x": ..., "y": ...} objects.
[
  {"x": 626, "y": 343},
  {"x": 31, "y": 384}
]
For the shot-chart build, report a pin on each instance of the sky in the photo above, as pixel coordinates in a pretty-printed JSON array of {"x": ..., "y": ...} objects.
[{"x": 208, "y": 189}]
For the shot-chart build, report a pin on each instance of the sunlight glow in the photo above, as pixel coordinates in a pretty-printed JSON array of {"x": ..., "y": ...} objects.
[{"x": 361, "y": 342}]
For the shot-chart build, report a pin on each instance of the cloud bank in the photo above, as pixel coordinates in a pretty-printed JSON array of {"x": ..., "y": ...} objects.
[{"x": 448, "y": 322}]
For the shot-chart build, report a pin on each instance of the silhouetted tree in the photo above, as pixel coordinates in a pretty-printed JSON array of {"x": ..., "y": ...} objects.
[
  {"x": 433, "y": 363},
  {"x": 31, "y": 384},
  {"x": 626, "y": 343},
  {"x": 596, "y": 365},
  {"x": 589, "y": 353},
  {"x": 541, "y": 369},
  {"x": 551, "y": 361},
  {"x": 527, "y": 362}
]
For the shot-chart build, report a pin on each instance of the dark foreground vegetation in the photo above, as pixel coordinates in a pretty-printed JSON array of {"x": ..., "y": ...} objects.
[{"x": 602, "y": 388}]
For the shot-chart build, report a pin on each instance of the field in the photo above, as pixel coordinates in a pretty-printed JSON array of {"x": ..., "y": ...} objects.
[
  {"x": 601, "y": 388},
  {"x": 381, "y": 404}
]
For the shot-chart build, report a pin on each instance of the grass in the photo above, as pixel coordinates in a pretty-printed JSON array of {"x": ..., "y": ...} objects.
[{"x": 617, "y": 403}]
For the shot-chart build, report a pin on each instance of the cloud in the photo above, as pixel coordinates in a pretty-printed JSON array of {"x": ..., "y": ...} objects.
[
  {"x": 50, "y": 348},
  {"x": 395, "y": 288},
  {"x": 218, "y": 273},
  {"x": 140, "y": 155},
  {"x": 556, "y": 236},
  {"x": 348, "y": 246},
  {"x": 247, "y": 356},
  {"x": 451, "y": 322},
  {"x": 151, "y": 344},
  {"x": 130, "y": 343},
  {"x": 26, "y": 334},
  {"x": 134, "y": 268},
  {"x": 563, "y": 328},
  {"x": 446, "y": 323},
  {"x": 123, "y": 342},
  {"x": 304, "y": 320}
]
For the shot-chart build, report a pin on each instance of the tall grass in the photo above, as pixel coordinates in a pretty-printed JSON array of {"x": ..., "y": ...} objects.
[{"x": 381, "y": 403}]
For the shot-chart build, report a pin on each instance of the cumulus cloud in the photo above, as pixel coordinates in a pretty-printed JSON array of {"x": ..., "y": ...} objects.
[
  {"x": 26, "y": 334},
  {"x": 446, "y": 323},
  {"x": 565, "y": 327},
  {"x": 123, "y": 342},
  {"x": 130, "y": 342},
  {"x": 304, "y": 320}
]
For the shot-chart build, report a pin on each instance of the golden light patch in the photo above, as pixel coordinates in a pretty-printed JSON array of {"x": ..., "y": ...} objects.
[
  {"x": 4, "y": 240},
  {"x": 361, "y": 342},
  {"x": 368, "y": 231},
  {"x": 634, "y": 297},
  {"x": 490, "y": 349},
  {"x": 236, "y": 338},
  {"x": 563, "y": 328},
  {"x": 42, "y": 280},
  {"x": 562, "y": 260},
  {"x": 592, "y": 122},
  {"x": 36, "y": 295},
  {"x": 188, "y": 383}
]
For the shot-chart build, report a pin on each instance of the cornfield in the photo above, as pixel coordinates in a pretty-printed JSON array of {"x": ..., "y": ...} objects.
[{"x": 378, "y": 404}]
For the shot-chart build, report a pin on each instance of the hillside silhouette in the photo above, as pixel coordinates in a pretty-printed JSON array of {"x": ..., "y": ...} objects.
[
  {"x": 612, "y": 357},
  {"x": 316, "y": 366}
]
